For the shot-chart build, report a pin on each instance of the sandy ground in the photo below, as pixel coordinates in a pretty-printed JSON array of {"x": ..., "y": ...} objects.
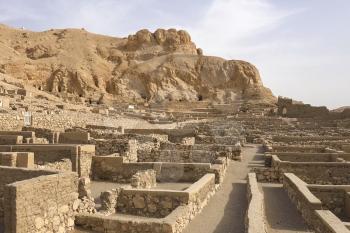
[
  {"x": 226, "y": 210},
  {"x": 282, "y": 215}
]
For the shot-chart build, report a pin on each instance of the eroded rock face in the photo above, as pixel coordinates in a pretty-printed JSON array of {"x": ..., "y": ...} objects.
[{"x": 161, "y": 66}]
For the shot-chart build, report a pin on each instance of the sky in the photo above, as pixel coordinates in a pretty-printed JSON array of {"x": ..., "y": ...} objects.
[{"x": 301, "y": 47}]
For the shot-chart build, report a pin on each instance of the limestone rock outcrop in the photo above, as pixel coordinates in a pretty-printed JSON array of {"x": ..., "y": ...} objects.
[{"x": 145, "y": 67}]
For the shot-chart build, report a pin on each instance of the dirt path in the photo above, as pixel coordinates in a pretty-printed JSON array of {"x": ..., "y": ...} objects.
[
  {"x": 226, "y": 209},
  {"x": 282, "y": 215}
]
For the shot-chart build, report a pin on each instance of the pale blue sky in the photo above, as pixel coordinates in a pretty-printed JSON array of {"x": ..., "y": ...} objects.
[{"x": 301, "y": 47}]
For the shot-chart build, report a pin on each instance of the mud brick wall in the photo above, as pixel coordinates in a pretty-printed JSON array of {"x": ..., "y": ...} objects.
[{"x": 42, "y": 204}]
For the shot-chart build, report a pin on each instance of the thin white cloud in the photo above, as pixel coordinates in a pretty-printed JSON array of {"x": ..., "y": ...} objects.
[
  {"x": 300, "y": 47},
  {"x": 228, "y": 23}
]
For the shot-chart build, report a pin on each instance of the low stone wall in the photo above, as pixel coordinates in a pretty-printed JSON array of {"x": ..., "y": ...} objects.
[
  {"x": 174, "y": 135},
  {"x": 346, "y": 148},
  {"x": 62, "y": 165},
  {"x": 41, "y": 133},
  {"x": 229, "y": 151},
  {"x": 74, "y": 137},
  {"x": 24, "y": 134},
  {"x": 310, "y": 172},
  {"x": 303, "y": 149},
  {"x": 255, "y": 216},
  {"x": 10, "y": 175},
  {"x": 198, "y": 196},
  {"x": 311, "y": 207},
  {"x": 178, "y": 156},
  {"x": 114, "y": 168},
  {"x": 17, "y": 159},
  {"x": 222, "y": 140},
  {"x": 307, "y": 138},
  {"x": 47, "y": 201},
  {"x": 150, "y": 203},
  {"x": 125, "y": 148},
  {"x": 333, "y": 198},
  {"x": 10, "y": 139},
  {"x": 267, "y": 174},
  {"x": 80, "y": 155}
]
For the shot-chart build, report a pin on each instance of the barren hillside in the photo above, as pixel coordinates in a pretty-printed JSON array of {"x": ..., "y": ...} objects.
[{"x": 154, "y": 67}]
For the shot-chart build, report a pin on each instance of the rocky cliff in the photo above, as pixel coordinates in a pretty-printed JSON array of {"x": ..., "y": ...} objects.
[{"x": 154, "y": 67}]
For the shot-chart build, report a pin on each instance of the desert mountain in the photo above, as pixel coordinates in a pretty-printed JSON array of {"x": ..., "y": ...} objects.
[{"x": 161, "y": 66}]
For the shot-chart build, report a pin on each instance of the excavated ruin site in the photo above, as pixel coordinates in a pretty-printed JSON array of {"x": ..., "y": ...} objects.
[{"x": 146, "y": 134}]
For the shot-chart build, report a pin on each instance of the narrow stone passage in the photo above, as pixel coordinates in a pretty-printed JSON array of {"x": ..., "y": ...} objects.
[
  {"x": 282, "y": 215},
  {"x": 225, "y": 211}
]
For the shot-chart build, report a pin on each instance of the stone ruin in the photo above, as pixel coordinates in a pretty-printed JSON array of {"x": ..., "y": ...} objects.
[{"x": 112, "y": 179}]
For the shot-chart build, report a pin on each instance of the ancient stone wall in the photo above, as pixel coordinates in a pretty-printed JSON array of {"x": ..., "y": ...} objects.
[
  {"x": 150, "y": 203},
  {"x": 255, "y": 215},
  {"x": 10, "y": 175},
  {"x": 224, "y": 140},
  {"x": 17, "y": 159},
  {"x": 52, "y": 155},
  {"x": 47, "y": 201},
  {"x": 198, "y": 196},
  {"x": 178, "y": 156},
  {"x": 10, "y": 139},
  {"x": 114, "y": 169},
  {"x": 332, "y": 198},
  {"x": 10, "y": 121},
  {"x": 310, "y": 207},
  {"x": 301, "y": 149},
  {"x": 229, "y": 151},
  {"x": 74, "y": 137},
  {"x": 124, "y": 148},
  {"x": 310, "y": 172}
]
